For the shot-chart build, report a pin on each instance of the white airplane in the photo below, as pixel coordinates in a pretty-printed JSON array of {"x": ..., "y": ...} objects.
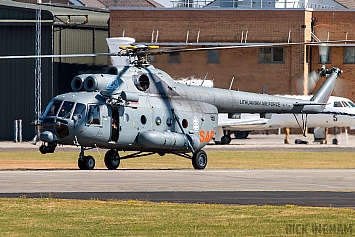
[{"x": 339, "y": 112}]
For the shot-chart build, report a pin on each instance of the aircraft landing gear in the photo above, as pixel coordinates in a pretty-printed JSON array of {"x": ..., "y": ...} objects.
[
  {"x": 112, "y": 159},
  {"x": 199, "y": 160},
  {"x": 48, "y": 148},
  {"x": 85, "y": 162},
  {"x": 241, "y": 134},
  {"x": 226, "y": 139}
]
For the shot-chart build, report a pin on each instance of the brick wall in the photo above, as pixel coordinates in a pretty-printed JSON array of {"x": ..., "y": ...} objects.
[{"x": 231, "y": 26}]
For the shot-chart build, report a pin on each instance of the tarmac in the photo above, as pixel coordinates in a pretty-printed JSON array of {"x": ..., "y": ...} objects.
[
  {"x": 253, "y": 141},
  {"x": 304, "y": 187}
]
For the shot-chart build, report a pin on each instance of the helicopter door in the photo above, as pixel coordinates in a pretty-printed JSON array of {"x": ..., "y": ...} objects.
[
  {"x": 114, "y": 125},
  {"x": 98, "y": 122}
]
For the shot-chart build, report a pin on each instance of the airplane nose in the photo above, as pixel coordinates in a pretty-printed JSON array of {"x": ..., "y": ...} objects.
[{"x": 47, "y": 136}]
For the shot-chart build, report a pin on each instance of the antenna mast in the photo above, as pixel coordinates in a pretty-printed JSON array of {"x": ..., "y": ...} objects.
[{"x": 38, "y": 69}]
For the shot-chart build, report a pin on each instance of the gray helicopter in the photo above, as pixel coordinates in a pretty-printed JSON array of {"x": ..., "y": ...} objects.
[{"x": 141, "y": 109}]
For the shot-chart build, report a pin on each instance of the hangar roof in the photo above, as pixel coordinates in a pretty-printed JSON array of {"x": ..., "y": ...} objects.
[{"x": 57, "y": 15}]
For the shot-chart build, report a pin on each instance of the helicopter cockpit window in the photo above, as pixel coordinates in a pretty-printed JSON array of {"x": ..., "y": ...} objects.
[
  {"x": 93, "y": 116},
  {"x": 78, "y": 111},
  {"x": 53, "y": 108},
  {"x": 141, "y": 82},
  {"x": 65, "y": 110}
]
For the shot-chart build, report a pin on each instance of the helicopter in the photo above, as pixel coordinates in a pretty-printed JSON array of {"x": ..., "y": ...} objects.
[{"x": 141, "y": 109}]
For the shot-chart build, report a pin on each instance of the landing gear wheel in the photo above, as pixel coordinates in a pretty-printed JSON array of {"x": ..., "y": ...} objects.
[
  {"x": 226, "y": 139},
  {"x": 112, "y": 159},
  {"x": 81, "y": 164},
  {"x": 199, "y": 160},
  {"x": 89, "y": 162},
  {"x": 241, "y": 134}
]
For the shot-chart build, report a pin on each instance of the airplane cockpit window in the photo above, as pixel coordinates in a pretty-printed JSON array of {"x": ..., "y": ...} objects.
[
  {"x": 78, "y": 111},
  {"x": 93, "y": 116},
  {"x": 351, "y": 103},
  {"x": 52, "y": 108},
  {"x": 65, "y": 110},
  {"x": 345, "y": 104},
  {"x": 337, "y": 104}
]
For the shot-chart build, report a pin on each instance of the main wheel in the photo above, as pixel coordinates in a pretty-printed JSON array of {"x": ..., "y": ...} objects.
[
  {"x": 89, "y": 162},
  {"x": 226, "y": 139},
  {"x": 112, "y": 159},
  {"x": 199, "y": 160},
  {"x": 241, "y": 134}
]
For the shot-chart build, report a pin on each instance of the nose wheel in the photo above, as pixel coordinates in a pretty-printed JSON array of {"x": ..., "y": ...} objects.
[{"x": 86, "y": 163}]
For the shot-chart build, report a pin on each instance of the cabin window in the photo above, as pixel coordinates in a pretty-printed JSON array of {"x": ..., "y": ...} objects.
[
  {"x": 65, "y": 110},
  {"x": 93, "y": 116},
  {"x": 158, "y": 120},
  {"x": 271, "y": 55},
  {"x": 185, "y": 123},
  {"x": 169, "y": 122},
  {"x": 143, "y": 119},
  {"x": 349, "y": 54},
  {"x": 337, "y": 104}
]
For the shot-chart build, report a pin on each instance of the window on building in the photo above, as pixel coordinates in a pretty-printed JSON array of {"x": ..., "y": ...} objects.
[
  {"x": 152, "y": 58},
  {"x": 271, "y": 55},
  {"x": 349, "y": 54},
  {"x": 174, "y": 58},
  {"x": 324, "y": 55},
  {"x": 213, "y": 56}
]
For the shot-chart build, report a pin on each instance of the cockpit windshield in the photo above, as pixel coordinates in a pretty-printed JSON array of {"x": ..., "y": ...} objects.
[
  {"x": 52, "y": 108},
  {"x": 351, "y": 103},
  {"x": 346, "y": 104},
  {"x": 65, "y": 110}
]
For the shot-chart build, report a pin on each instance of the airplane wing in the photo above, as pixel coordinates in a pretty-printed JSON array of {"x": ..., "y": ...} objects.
[{"x": 246, "y": 122}]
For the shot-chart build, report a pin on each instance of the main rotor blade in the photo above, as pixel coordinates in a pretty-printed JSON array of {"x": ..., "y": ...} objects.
[
  {"x": 144, "y": 52},
  {"x": 251, "y": 45},
  {"x": 59, "y": 56}
]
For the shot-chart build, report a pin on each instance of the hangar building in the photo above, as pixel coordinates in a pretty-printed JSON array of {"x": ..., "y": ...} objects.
[{"x": 64, "y": 30}]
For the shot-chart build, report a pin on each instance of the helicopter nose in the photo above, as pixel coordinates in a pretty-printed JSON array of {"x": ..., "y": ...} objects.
[{"x": 47, "y": 136}]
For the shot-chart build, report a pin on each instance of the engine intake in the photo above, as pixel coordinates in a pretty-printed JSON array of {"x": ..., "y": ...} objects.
[{"x": 97, "y": 82}]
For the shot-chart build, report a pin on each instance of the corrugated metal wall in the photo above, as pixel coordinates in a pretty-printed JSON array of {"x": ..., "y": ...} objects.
[{"x": 17, "y": 76}]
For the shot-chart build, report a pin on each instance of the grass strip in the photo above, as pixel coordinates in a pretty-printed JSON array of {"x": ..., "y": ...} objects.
[
  {"x": 216, "y": 160},
  {"x": 58, "y": 217}
]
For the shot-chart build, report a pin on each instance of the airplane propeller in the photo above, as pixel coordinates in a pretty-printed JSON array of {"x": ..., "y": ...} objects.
[{"x": 307, "y": 86}]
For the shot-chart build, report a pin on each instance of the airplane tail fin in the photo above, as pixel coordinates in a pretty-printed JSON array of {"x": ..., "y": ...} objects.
[{"x": 324, "y": 92}]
